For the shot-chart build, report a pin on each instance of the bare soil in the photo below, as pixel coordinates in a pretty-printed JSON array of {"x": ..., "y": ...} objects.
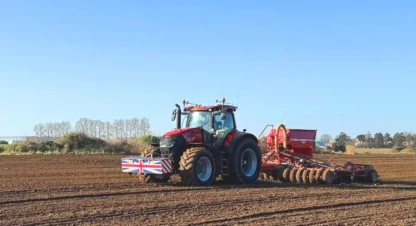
[{"x": 91, "y": 190}]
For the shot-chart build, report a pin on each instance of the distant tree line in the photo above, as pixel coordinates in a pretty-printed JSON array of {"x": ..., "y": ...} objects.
[
  {"x": 118, "y": 129},
  {"x": 78, "y": 142},
  {"x": 52, "y": 129},
  {"x": 378, "y": 140}
]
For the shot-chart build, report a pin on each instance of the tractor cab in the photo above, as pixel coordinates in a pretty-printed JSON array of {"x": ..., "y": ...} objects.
[{"x": 215, "y": 122}]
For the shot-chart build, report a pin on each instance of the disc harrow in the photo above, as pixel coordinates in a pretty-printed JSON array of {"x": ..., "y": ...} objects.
[{"x": 289, "y": 158}]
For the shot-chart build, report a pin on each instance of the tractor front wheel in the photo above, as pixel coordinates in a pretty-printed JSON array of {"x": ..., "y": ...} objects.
[
  {"x": 152, "y": 178},
  {"x": 246, "y": 162},
  {"x": 197, "y": 167}
]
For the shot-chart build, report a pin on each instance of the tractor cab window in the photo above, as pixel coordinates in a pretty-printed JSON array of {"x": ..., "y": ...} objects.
[
  {"x": 200, "y": 118},
  {"x": 224, "y": 124}
]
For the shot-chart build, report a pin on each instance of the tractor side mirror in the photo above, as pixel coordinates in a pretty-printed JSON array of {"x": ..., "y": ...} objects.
[{"x": 174, "y": 115}]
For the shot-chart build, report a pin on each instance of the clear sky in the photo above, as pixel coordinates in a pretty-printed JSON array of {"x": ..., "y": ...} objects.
[{"x": 327, "y": 65}]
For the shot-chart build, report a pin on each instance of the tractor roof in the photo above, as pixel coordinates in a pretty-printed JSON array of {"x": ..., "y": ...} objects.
[{"x": 210, "y": 108}]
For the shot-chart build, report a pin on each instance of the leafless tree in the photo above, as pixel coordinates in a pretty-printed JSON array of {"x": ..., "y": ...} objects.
[
  {"x": 108, "y": 130},
  {"x": 144, "y": 126},
  {"x": 119, "y": 128},
  {"x": 82, "y": 125}
]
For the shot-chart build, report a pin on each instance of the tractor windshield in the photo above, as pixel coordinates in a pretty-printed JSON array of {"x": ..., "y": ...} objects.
[{"x": 199, "y": 118}]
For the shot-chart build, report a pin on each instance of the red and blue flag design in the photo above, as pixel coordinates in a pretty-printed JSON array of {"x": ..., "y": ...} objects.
[{"x": 145, "y": 165}]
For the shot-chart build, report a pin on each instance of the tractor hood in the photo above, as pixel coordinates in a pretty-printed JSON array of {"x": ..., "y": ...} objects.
[
  {"x": 180, "y": 131},
  {"x": 191, "y": 135}
]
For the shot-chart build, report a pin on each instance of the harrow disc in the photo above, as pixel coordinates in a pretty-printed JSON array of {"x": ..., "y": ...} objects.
[
  {"x": 328, "y": 176},
  {"x": 299, "y": 175},
  {"x": 305, "y": 176},
  {"x": 312, "y": 173},
  {"x": 286, "y": 174},
  {"x": 318, "y": 176},
  {"x": 292, "y": 176}
]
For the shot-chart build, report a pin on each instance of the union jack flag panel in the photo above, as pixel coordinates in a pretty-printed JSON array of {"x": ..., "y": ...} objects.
[{"x": 146, "y": 165}]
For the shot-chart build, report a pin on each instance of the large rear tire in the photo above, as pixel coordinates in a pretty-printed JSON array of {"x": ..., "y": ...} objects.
[
  {"x": 197, "y": 167},
  {"x": 246, "y": 162}
]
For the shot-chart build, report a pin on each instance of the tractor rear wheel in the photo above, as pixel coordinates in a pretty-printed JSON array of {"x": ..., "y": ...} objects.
[
  {"x": 197, "y": 167},
  {"x": 245, "y": 162}
]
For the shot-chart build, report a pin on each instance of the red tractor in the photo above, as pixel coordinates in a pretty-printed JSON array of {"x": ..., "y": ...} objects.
[{"x": 208, "y": 146}]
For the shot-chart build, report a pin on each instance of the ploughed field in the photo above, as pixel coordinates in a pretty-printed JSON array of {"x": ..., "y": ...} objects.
[{"x": 90, "y": 189}]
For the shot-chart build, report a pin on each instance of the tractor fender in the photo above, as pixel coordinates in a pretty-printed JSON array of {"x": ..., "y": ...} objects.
[{"x": 238, "y": 138}]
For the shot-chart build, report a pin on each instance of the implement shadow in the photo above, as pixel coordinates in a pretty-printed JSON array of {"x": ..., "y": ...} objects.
[{"x": 385, "y": 185}]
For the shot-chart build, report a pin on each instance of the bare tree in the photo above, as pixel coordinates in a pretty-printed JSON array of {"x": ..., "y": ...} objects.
[
  {"x": 67, "y": 127},
  {"x": 100, "y": 128},
  {"x": 119, "y": 128},
  {"x": 36, "y": 130},
  {"x": 108, "y": 130},
  {"x": 82, "y": 125},
  {"x": 136, "y": 127},
  {"x": 49, "y": 129},
  {"x": 129, "y": 128},
  {"x": 144, "y": 126},
  {"x": 41, "y": 128},
  {"x": 326, "y": 138}
]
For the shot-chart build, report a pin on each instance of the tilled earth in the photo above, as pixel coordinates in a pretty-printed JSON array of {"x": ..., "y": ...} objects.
[{"x": 90, "y": 189}]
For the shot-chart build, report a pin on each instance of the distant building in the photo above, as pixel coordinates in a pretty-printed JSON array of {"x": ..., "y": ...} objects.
[{"x": 18, "y": 139}]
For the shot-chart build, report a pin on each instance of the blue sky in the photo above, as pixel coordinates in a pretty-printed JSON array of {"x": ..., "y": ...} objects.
[{"x": 322, "y": 65}]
